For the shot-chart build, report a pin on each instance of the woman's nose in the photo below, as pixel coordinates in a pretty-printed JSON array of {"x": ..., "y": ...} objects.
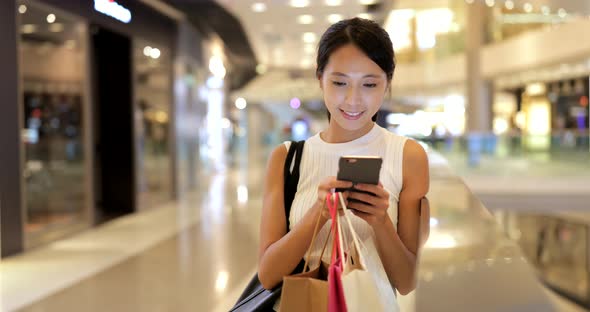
[{"x": 352, "y": 96}]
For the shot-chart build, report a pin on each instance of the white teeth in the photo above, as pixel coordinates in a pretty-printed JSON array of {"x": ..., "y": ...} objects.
[{"x": 352, "y": 114}]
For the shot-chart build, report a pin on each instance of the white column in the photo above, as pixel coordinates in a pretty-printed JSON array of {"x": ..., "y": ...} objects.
[{"x": 479, "y": 91}]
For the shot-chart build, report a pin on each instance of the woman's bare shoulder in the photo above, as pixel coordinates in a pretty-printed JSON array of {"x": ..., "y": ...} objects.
[
  {"x": 275, "y": 164},
  {"x": 415, "y": 167},
  {"x": 279, "y": 153},
  {"x": 415, "y": 153}
]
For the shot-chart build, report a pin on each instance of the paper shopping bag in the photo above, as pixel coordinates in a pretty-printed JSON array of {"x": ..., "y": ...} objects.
[
  {"x": 360, "y": 288},
  {"x": 306, "y": 291}
]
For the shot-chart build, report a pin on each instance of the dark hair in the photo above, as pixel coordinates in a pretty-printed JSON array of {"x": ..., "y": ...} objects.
[{"x": 365, "y": 34}]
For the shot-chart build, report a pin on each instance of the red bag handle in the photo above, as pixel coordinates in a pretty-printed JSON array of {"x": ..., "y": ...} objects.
[{"x": 332, "y": 202}]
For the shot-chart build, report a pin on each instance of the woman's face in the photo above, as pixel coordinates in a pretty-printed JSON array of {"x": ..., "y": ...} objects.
[{"x": 354, "y": 87}]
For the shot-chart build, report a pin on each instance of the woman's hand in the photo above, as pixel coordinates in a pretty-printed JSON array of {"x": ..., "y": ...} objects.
[
  {"x": 326, "y": 187},
  {"x": 374, "y": 208}
]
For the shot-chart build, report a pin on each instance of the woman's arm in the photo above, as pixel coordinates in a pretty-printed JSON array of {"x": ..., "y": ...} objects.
[
  {"x": 280, "y": 251},
  {"x": 398, "y": 249}
]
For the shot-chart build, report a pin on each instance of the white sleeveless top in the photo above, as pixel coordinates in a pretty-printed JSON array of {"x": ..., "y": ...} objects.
[{"x": 320, "y": 160}]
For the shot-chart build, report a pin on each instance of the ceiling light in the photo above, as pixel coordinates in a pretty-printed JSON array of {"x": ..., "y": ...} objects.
[
  {"x": 309, "y": 48},
  {"x": 335, "y": 18},
  {"x": 365, "y": 16},
  {"x": 469, "y": 1},
  {"x": 333, "y": 2},
  {"x": 147, "y": 51},
  {"x": 528, "y": 7},
  {"x": 509, "y": 5},
  {"x": 309, "y": 37},
  {"x": 29, "y": 28},
  {"x": 155, "y": 53},
  {"x": 305, "y": 19},
  {"x": 368, "y": 2},
  {"x": 241, "y": 103},
  {"x": 22, "y": 9},
  {"x": 50, "y": 18},
  {"x": 258, "y": 7},
  {"x": 299, "y": 3},
  {"x": 562, "y": 13},
  {"x": 490, "y": 3},
  {"x": 225, "y": 123},
  {"x": 57, "y": 27}
]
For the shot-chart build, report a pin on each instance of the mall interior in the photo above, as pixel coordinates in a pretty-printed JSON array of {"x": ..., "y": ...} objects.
[{"x": 135, "y": 136}]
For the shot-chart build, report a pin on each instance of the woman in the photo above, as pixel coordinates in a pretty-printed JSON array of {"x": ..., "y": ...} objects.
[{"x": 355, "y": 65}]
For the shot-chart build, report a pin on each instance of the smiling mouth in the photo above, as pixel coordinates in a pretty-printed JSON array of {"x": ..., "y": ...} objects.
[{"x": 351, "y": 115}]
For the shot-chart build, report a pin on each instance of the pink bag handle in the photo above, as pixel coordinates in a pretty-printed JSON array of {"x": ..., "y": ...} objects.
[
  {"x": 332, "y": 202},
  {"x": 336, "y": 300}
]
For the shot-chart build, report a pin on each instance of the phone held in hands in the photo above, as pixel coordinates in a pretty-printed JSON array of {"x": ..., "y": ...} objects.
[{"x": 359, "y": 169}]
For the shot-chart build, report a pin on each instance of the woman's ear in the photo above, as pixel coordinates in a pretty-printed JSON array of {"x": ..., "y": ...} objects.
[{"x": 321, "y": 82}]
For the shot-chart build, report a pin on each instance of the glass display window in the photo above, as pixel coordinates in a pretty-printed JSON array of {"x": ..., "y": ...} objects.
[
  {"x": 53, "y": 63},
  {"x": 153, "y": 98}
]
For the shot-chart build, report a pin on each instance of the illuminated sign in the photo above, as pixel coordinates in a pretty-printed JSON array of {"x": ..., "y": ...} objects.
[{"x": 113, "y": 9}]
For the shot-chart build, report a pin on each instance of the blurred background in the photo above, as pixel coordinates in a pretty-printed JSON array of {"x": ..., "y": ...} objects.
[{"x": 134, "y": 138}]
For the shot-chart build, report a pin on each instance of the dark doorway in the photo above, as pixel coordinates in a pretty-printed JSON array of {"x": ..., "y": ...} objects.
[{"x": 113, "y": 120}]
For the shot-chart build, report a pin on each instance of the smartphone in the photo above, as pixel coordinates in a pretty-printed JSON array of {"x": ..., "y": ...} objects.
[{"x": 359, "y": 169}]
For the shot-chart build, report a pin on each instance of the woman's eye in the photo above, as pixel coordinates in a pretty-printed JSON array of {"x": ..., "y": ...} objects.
[
  {"x": 370, "y": 85},
  {"x": 339, "y": 83}
]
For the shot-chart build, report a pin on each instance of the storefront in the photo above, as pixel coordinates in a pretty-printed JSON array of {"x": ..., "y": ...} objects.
[
  {"x": 94, "y": 105},
  {"x": 549, "y": 115}
]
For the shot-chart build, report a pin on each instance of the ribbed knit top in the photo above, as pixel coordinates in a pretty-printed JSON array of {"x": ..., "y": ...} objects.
[{"x": 320, "y": 160}]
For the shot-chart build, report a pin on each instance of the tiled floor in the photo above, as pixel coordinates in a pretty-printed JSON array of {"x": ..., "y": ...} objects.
[
  {"x": 189, "y": 272},
  {"x": 172, "y": 258}
]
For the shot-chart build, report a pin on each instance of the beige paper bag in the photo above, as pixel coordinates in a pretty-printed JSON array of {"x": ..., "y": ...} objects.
[{"x": 306, "y": 291}]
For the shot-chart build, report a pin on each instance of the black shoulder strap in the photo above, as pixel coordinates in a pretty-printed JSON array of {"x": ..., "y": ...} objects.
[{"x": 291, "y": 177}]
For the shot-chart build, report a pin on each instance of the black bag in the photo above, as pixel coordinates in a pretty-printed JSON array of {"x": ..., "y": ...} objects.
[{"x": 255, "y": 297}]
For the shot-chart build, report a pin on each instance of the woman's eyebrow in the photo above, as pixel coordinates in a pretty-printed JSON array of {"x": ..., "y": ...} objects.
[{"x": 345, "y": 75}]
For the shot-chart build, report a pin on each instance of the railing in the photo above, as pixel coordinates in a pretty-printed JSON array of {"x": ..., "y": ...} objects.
[
  {"x": 574, "y": 141},
  {"x": 468, "y": 263},
  {"x": 570, "y": 148}
]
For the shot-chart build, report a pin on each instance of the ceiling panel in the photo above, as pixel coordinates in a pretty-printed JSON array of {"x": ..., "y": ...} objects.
[{"x": 276, "y": 35}]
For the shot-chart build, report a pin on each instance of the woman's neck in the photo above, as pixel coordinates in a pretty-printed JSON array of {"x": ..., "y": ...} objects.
[{"x": 336, "y": 134}]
